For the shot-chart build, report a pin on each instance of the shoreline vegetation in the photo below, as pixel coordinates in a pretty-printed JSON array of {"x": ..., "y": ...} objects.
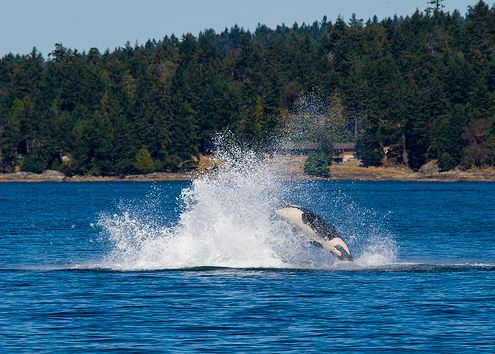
[
  {"x": 285, "y": 168},
  {"x": 405, "y": 91}
]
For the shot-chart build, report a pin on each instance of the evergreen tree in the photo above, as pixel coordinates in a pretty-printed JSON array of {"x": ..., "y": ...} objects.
[
  {"x": 447, "y": 141},
  {"x": 316, "y": 164},
  {"x": 144, "y": 162},
  {"x": 436, "y": 5},
  {"x": 423, "y": 86}
]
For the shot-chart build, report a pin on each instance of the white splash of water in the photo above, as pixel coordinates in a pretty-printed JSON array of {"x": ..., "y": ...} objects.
[{"x": 226, "y": 220}]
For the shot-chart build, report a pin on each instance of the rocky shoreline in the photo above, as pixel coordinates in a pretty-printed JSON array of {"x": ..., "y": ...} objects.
[
  {"x": 396, "y": 174},
  {"x": 56, "y": 176},
  {"x": 339, "y": 172}
]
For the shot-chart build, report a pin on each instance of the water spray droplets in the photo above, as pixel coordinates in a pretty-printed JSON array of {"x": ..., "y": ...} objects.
[{"x": 226, "y": 219}]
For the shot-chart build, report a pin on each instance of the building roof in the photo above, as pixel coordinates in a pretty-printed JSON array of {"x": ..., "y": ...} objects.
[{"x": 344, "y": 145}]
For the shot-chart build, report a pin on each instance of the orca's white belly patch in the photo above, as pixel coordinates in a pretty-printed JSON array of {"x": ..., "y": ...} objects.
[{"x": 320, "y": 232}]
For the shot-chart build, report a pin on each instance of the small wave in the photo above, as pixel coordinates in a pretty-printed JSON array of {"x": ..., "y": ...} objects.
[{"x": 337, "y": 267}]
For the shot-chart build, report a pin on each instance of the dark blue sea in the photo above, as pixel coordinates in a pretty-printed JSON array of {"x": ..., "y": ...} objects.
[{"x": 205, "y": 266}]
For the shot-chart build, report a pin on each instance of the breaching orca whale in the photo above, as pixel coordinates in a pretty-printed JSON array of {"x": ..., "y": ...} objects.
[{"x": 321, "y": 233}]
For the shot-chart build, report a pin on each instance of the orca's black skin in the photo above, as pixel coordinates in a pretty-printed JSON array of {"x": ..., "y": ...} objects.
[{"x": 322, "y": 229}]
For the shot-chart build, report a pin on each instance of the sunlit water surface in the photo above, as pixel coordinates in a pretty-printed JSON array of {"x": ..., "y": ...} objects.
[{"x": 205, "y": 266}]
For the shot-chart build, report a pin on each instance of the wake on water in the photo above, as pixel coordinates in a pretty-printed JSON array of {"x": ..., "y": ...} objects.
[{"x": 226, "y": 219}]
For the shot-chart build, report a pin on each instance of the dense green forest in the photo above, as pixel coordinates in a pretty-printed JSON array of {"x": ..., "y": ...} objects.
[{"x": 413, "y": 88}]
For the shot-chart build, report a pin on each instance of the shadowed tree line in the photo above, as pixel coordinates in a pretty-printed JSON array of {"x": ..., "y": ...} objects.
[{"x": 414, "y": 89}]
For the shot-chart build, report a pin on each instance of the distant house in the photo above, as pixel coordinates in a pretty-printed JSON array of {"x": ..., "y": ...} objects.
[{"x": 342, "y": 152}]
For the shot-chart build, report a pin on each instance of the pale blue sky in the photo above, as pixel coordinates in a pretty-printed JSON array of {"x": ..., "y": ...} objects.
[{"x": 109, "y": 24}]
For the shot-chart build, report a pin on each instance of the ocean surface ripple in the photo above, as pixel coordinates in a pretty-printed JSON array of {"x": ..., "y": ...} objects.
[{"x": 205, "y": 266}]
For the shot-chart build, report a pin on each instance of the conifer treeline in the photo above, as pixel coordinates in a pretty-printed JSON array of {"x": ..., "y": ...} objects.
[{"x": 422, "y": 87}]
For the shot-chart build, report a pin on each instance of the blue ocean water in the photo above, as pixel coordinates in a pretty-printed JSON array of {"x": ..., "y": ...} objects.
[{"x": 205, "y": 266}]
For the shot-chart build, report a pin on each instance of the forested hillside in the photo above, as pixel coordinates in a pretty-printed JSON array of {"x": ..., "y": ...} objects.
[{"x": 416, "y": 88}]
